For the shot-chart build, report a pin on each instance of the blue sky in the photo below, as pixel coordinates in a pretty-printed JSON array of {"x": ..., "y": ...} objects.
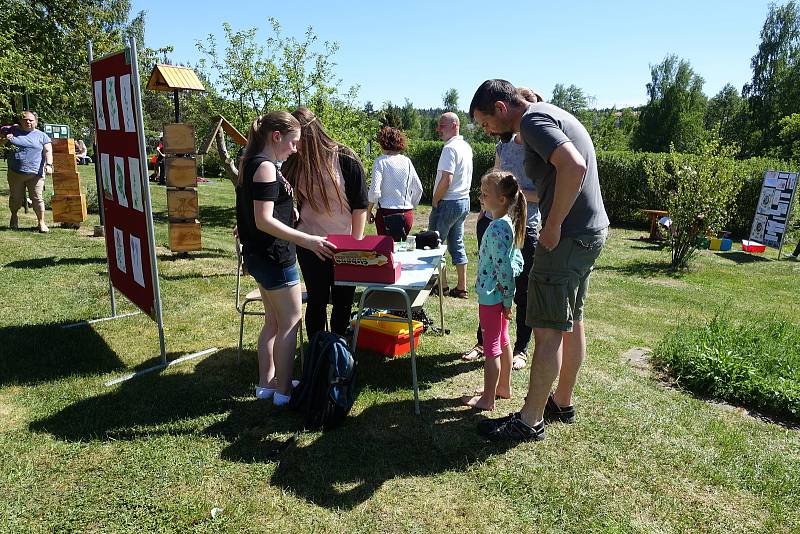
[{"x": 417, "y": 50}]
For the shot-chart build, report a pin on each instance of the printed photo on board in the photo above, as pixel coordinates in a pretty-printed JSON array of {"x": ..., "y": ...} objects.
[
  {"x": 136, "y": 184},
  {"x": 119, "y": 181},
  {"x": 136, "y": 260},
  {"x": 105, "y": 170},
  {"x": 119, "y": 246},
  {"x": 98, "y": 105},
  {"x": 127, "y": 103},
  {"x": 113, "y": 104}
]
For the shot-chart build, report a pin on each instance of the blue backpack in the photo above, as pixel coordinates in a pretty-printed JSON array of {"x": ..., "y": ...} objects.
[{"x": 325, "y": 393}]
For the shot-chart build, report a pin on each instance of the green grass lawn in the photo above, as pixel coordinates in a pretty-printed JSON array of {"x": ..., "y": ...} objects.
[{"x": 158, "y": 453}]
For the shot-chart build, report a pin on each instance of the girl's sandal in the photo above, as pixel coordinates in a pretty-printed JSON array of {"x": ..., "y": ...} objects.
[
  {"x": 473, "y": 354},
  {"x": 520, "y": 361}
]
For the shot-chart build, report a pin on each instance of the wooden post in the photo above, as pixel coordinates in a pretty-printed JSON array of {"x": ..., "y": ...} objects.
[{"x": 68, "y": 203}]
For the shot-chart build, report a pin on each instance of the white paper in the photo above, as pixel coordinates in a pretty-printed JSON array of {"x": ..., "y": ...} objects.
[
  {"x": 127, "y": 103},
  {"x": 770, "y": 179},
  {"x": 781, "y": 184},
  {"x": 775, "y": 227},
  {"x": 759, "y": 225},
  {"x": 792, "y": 181},
  {"x": 772, "y": 241},
  {"x": 136, "y": 184},
  {"x": 119, "y": 181},
  {"x": 113, "y": 104},
  {"x": 105, "y": 168},
  {"x": 119, "y": 246},
  {"x": 783, "y": 207},
  {"x": 136, "y": 260},
  {"x": 765, "y": 201},
  {"x": 98, "y": 105}
]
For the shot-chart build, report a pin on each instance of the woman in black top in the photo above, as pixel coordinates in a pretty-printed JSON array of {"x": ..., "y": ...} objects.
[{"x": 265, "y": 218}]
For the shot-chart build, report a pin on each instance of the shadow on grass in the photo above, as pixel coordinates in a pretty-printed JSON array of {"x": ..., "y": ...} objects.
[
  {"x": 138, "y": 407},
  {"x": 337, "y": 469},
  {"x": 205, "y": 253},
  {"x": 52, "y": 261},
  {"x": 40, "y": 353},
  {"x": 741, "y": 257},
  {"x": 643, "y": 269},
  {"x": 224, "y": 216},
  {"x": 218, "y": 216},
  {"x": 342, "y": 468}
]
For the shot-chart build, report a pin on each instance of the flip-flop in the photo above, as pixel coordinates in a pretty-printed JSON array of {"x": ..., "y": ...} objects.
[
  {"x": 473, "y": 354},
  {"x": 459, "y": 293},
  {"x": 520, "y": 361}
]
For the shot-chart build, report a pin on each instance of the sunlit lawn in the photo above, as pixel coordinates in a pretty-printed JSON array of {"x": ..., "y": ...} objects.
[{"x": 159, "y": 452}]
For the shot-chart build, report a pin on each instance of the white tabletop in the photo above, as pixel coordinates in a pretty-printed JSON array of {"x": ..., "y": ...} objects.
[{"x": 417, "y": 268}]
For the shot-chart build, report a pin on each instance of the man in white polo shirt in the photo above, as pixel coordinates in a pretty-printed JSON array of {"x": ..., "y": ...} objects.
[{"x": 451, "y": 197}]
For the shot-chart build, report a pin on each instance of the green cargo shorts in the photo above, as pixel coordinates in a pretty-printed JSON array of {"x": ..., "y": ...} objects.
[{"x": 559, "y": 281}]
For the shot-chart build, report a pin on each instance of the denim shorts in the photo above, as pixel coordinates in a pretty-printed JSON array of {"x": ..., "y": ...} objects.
[
  {"x": 448, "y": 218},
  {"x": 269, "y": 274},
  {"x": 559, "y": 281}
]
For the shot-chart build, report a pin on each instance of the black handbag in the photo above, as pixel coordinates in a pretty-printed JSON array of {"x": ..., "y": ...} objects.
[
  {"x": 396, "y": 223},
  {"x": 428, "y": 239}
]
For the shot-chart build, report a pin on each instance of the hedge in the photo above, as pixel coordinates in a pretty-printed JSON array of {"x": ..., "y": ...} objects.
[
  {"x": 425, "y": 156},
  {"x": 622, "y": 180}
]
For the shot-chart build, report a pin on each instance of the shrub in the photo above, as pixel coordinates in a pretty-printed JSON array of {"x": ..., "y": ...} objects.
[
  {"x": 425, "y": 156},
  {"x": 212, "y": 165},
  {"x": 698, "y": 194},
  {"x": 623, "y": 181},
  {"x": 754, "y": 363}
]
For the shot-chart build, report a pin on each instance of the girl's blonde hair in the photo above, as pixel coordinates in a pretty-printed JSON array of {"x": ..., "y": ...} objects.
[
  {"x": 314, "y": 164},
  {"x": 507, "y": 186},
  {"x": 260, "y": 132}
]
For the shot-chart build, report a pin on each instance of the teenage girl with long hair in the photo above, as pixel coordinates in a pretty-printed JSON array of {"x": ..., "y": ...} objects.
[
  {"x": 265, "y": 225},
  {"x": 331, "y": 193},
  {"x": 499, "y": 262}
]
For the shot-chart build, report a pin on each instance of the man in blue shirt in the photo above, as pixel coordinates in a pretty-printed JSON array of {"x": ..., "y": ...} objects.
[{"x": 27, "y": 166}]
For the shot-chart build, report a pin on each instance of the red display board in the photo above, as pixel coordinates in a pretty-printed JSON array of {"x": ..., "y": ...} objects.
[{"x": 122, "y": 167}]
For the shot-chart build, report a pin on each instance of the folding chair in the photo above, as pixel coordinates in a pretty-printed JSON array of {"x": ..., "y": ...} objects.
[{"x": 255, "y": 296}]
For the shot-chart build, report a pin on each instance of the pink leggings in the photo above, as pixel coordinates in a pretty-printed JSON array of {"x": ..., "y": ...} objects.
[{"x": 494, "y": 328}]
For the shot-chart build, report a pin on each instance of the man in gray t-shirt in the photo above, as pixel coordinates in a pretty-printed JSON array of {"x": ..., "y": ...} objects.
[
  {"x": 560, "y": 159},
  {"x": 27, "y": 166}
]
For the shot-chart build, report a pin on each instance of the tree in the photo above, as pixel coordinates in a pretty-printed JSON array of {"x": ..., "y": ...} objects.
[
  {"x": 789, "y": 136},
  {"x": 774, "y": 91},
  {"x": 390, "y": 116},
  {"x": 44, "y": 54},
  {"x": 614, "y": 129},
  {"x": 725, "y": 114},
  {"x": 284, "y": 73},
  {"x": 571, "y": 98},
  {"x": 674, "y": 112},
  {"x": 450, "y": 100},
  {"x": 409, "y": 117}
]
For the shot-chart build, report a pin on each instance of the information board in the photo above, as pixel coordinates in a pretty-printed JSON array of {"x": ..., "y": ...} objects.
[
  {"x": 125, "y": 195},
  {"x": 774, "y": 207},
  {"x": 57, "y": 131}
]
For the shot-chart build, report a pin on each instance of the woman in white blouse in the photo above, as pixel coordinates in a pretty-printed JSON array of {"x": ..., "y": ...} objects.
[{"x": 396, "y": 189}]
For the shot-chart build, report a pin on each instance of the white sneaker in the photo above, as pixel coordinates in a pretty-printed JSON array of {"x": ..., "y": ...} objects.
[
  {"x": 267, "y": 393},
  {"x": 264, "y": 393},
  {"x": 281, "y": 400}
]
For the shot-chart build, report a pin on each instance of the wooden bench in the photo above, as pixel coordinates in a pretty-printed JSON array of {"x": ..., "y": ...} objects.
[{"x": 655, "y": 215}]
